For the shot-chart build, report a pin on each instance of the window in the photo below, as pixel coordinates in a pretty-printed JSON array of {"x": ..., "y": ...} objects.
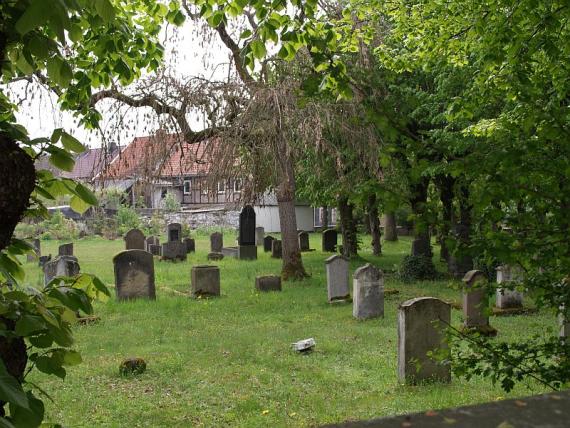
[
  {"x": 237, "y": 185},
  {"x": 163, "y": 193},
  {"x": 221, "y": 186},
  {"x": 187, "y": 187}
]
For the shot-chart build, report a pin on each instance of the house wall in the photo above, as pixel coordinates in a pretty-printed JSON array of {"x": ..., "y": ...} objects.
[{"x": 268, "y": 218}]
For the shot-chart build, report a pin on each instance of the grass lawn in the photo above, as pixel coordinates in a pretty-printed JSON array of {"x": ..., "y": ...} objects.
[{"x": 228, "y": 361}]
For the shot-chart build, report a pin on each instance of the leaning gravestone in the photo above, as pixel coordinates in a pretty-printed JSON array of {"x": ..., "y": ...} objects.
[
  {"x": 151, "y": 240},
  {"x": 174, "y": 232},
  {"x": 205, "y": 281},
  {"x": 475, "y": 303},
  {"x": 60, "y": 266},
  {"x": 267, "y": 243},
  {"x": 337, "y": 278},
  {"x": 247, "y": 250},
  {"x": 65, "y": 249},
  {"x": 134, "y": 240},
  {"x": 367, "y": 292},
  {"x": 330, "y": 240},
  {"x": 421, "y": 329},
  {"x": 303, "y": 241},
  {"x": 134, "y": 275},
  {"x": 268, "y": 283},
  {"x": 32, "y": 257},
  {"x": 174, "y": 250},
  {"x": 276, "y": 249},
  {"x": 190, "y": 245},
  {"x": 216, "y": 242},
  {"x": 508, "y": 299},
  {"x": 259, "y": 235}
]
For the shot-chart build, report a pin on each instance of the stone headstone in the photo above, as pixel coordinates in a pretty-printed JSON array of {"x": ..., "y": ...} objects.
[
  {"x": 421, "y": 246},
  {"x": 247, "y": 226},
  {"x": 205, "y": 281},
  {"x": 174, "y": 250},
  {"x": 134, "y": 275},
  {"x": 65, "y": 249},
  {"x": 190, "y": 245},
  {"x": 155, "y": 250},
  {"x": 247, "y": 252},
  {"x": 304, "y": 241},
  {"x": 259, "y": 235},
  {"x": 134, "y": 240},
  {"x": 564, "y": 326},
  {"x": 151, "y": 240},
  {"x": 367, "y": 292},
  {"x": 330, "y": 240},
  {"x": 32, "y": 257},
  {"x": 60, "y": 266},
  {"x": 506, "y": 298},
  {"x": 174, "y": 232},
  {"x": 216, "y": 256},
  {"x": 268, "y": 283},
  {"x": 276, "y": 249},
  {"x": 267, "y": 243},
  {"x": 421, "y": 329},
  {"x": 216, "y": 242},
  {"x": 337, "y": 278},
  {"x": 230, "y": 252},
  {"x": 475, "y": 303},
  {"x": 43, "y": 260}
]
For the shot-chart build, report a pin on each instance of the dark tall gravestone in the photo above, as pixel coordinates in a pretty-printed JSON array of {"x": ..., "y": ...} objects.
[
  {"x": 276, "y": 249},
  {"x": 267, "y": 243},
  {"x": 330, "y": 239},
  {"x": 247, "y": 249},
  {"x": 216, "y": 242},
  {"x": 134, "y": 240},
  {"x": 190, "y": 245},
  {"x": 65, "y": 249},
  {"x": 304, "y": 241},
  {"x": 174, "y": 232},
  {"x": 134, "y": 275}
]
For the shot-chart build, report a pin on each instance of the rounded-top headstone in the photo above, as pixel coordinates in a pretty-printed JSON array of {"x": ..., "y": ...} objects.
[
  {"x": 473, "y": 276},
  {"x": 134, "y": 275},
  {"x": 134, "y": 240},
  {"x": 367, "y": 272},
  {"x": 247, "y": 226}
]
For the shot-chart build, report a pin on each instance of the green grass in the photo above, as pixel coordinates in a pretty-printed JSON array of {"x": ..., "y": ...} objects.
[{"x": 228, "y": 362}]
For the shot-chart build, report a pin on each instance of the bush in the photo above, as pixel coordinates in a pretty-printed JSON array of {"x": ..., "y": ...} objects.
[
  {"x": 127, "y": 219},
  {"x": 416, "y": 268},
  {"x": 170, "y": 203}
]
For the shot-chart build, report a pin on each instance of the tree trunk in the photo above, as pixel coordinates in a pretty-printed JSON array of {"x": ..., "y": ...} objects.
[
  {"x": 421, "y": 245},
  {"x": 14, "y": 355},
  {"x": 390, "y": 230},
  {"x": 446, "y": 194},
  {"x": 325, "y": 218},
  {"x": 347, "y": 227},
  {"x": 374, "y": 222},
  {"x": 461, "y": 261}
]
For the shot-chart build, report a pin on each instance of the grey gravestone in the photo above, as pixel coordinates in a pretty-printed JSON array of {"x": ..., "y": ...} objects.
[
  {"x": 65, "y": 250},
  {"x": 268, "y": 283},
  {"x": 216, "y": 242},
  {"x": 276, "y": 249},
  {"x": 267, "y": 243},
  {"x": 247, "y": 252},
  {"x": 155, "y": 250},
  {"x": 215, "y": 256},
  {"x": 421, "y": 329},
  {"x": 259, "y": 235},
  {"x": 247, "y": 249},
  {"x": 134, "y": 240},
  {"x": 174, "y": 232},
  {"x": 32, "y": 257},
  {"x": 190, "y": 245},
  {"x": 304, "y": 241},
  {"x": 60, "y": 266},
  {"x": 174, "y": 250},
  {"x": 507, "y": 299},
  {"x": 205, "y": 280},
  {"x": 337, "y": 278},
  {"x": 43, "y": 260},
  {"x": 134, "y": 275},
  {"x": 151, "y": 240},
  {"x": 230, "y": 252},
  {"x": 330, "y": 240},
  {"x": 476, "y": 302},
  {"x": 367, "y": 292}
]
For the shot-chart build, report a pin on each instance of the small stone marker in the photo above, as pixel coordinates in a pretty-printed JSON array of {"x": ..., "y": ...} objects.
[
  {"x": 134, "y": 275},
  {"x": 475, "y": 303},
  {"x": 304, "y": 345},
  {"x": 155, "y": 250},
  {"x": 174, "y": 250},
  {"x": 190, "y": 245},
  {"x": 247, "y": 249},
  {"x": 259, "y": 235},
  {"x": 508, "y": 299},
  {"x": 134, "y": 240},
  {"x": 267, "y": 243},
  {"x": 421, "y": 325},
  {"x": 330, "y": 240},
  {"x": 367, "y": 292},
  {"x": 215, "y": 256},
  {"x": 304, "y": 241},
  {"x": 268, "y": 283},
  {"x": 276, "y": 249},
  {"x": 60, "y": 266},
  {"x": 65, "y": 249},
  {"x": 205, "y": 281},
  {"x": 174, "y": 232},
  {"x": 216, "y": 242},
  {"x": 151, "y": 240},
  {"x": 337, "y": 278}
]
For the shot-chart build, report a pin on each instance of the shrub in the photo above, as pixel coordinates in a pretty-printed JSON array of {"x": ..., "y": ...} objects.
[
  {"x": 416, "y": 268},
  {"x": 170, "y": 203},
  {"x": 127, "y": 219}
]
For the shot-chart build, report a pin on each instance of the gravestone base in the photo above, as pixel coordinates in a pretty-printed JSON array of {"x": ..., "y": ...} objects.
[
  {"x": 215, "y": 256},
  {"x": 508, "y": 312},
  {"x": 268, "y": 283},
  {"x": 340, "y": 299},
  {"x": 205, "y": 281},
  {"x": 247, "y": 252},
  {"x": 230, "y": 252},
  {"x": 483, "y": 330}
]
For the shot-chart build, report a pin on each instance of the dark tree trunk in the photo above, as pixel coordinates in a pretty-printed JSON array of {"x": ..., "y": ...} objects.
[
  {"x": 461, "y": 261},
  {"x": 347, "y": 227},
  {"x": 374, "y": 222},
  {"x": 446, "y": 194},
  {"x": 421, "y": 245},
  {"x": 14, "y": 355},
  {"x": 325, "y": 217},
  {"x": 390, "y": 230}
]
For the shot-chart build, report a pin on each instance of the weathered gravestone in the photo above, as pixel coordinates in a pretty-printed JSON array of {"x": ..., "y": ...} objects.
[
  {"x": 32, "y": 257},
  {"x": 205, "y": 281},
  {"x": 43, "y": 260},
  {"x": 134, "y": 275},
  {"x": 174, "y": 250},
  {"x": 247, "y": 250},
  {"x": 60, "y": 266},
  {"x": 475, "y": 303},
  {"x": 65, "y": 249},
  {"x": 506, "y": 298},
  {"x": 337, "y": 278},
  {"x": 304, "y": 241},
  {"x": 134, "y": 240},
  {"x": 421, "y": 246},
  {"x": 215, "y": 256},
  {"x": 276, "y": 249},
  {"x": 367, "y": 292},
  {"x": 174, "y": 232},
  {"x": 151, "y": 240},
  {"x": 268, "y": 283},
  {"x": 216, "y": 242},
  {"x": 230, "y": 252},
  {"x": 155, "y": 250},
  {"x": 190, "y": 245},
  {"x": 267, "y": 243},
  {"x": 421, "y": 329},
  {"x": 259, "y": 235},
  {"x": 330, "y": 240}
]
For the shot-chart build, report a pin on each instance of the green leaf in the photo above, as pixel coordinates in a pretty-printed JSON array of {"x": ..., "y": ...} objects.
[
  {"x": 105, "y": 10},
  {"x": 51, "y": 365},
  {"x": 258, "y": 49},
  {"x": 11, "y": 390},
  {"x": 35, "y": 15},
  {"x": 72, "y": 358},
  {"x": 245, "y": 34},
  {"x": 60, "y": 158},
  {"x": 65, "y": 74},
  {"x": 28, "y": 324},
  {"x": 31, "y": 417},
  {"x": 86, "y": 194},
  {"x": 71, "y": 143},
  {"x": 78, "y": 205}
]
